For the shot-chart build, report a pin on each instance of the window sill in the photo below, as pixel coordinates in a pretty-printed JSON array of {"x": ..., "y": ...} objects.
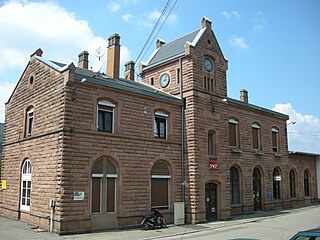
[
  {"x": 235, "y": 150},
  {"x": 277, "y": 154},
  {"x": 257, "y": 152}
]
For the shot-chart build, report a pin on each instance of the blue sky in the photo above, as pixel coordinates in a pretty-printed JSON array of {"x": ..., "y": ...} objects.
[{"x": 273, "y": 47}]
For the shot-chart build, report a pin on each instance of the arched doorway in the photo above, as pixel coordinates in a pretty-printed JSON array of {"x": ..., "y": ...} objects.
[
  {"x": 211, "y": 202},
  {"x": 256, "y": 186}
]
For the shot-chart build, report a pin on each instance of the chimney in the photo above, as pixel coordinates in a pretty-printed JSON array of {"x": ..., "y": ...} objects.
[
  {"x": 37, "y": 53},
  {"x": 129, "y": 70},
  {"x": 113, "y": 61},
  {"x": 83, "y": 60},
  {"x": 160, "y": 42},
  {"x": 244, "y": 95},
  {"x": 206, "y": 22}
]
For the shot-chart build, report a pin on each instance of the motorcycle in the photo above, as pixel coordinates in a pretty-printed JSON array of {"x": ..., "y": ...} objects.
[{"x": 154, "y": 220}]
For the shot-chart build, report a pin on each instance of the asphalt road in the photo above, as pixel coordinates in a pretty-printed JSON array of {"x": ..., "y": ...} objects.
[
  {"x": 274, "y": 225},
  {"x": 278, "y": 227}
]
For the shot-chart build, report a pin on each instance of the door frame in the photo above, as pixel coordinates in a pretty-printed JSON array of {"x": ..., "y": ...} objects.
[
  {"x": 213, "y": 205},
  {"x": 257, "y": 205}
]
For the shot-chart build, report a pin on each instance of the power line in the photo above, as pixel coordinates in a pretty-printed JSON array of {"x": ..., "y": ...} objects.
[
  {"x": 163, "y": 13},
  {"x": 311, "y": 134},
  {"x": 160, "y": 28}
]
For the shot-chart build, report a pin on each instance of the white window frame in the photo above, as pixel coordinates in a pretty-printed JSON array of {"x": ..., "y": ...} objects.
[
  {"x": 28, "y": 129},
  {"x": 107, "y": 104},
  {"x": 163, "y": 116},
  {"x": 25, "y": 177}
]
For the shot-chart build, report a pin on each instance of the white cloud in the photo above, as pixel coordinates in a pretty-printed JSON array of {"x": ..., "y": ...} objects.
[
  {"x": 231, "y": 15},
  {"x": 149, "y": 19},
  {"x": 304, "y": 135},
  {"x": 238, "y": 42},
  {"x": 5, "y": 92},
  {"x": 127, "y": 17},
  {"x": 259, "y": 22},
  {"x": 114, "y": 7},
  {"x": 27, "y": 26}
]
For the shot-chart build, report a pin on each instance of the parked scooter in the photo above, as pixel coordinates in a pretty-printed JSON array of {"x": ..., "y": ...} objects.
[{"x": 154, "y": 220}]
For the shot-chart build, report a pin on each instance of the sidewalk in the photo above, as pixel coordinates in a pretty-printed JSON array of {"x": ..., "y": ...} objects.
[{"x": 11, "y": 229}]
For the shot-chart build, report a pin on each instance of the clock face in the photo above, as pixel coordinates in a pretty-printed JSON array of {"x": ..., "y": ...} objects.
[
  {"x": 208, "y": 64},
  {"x": 164, "y": 80}
]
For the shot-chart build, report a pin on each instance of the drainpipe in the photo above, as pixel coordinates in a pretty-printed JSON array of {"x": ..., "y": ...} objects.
[
  {"x": 182, "y": 135},
  {"x": 52, "y": 204}
]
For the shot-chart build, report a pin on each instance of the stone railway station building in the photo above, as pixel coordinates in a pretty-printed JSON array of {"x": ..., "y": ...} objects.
[{"x": 92, "y": 151}]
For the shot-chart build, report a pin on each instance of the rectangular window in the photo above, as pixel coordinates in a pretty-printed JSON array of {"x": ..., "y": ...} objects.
[
  {"x": 29, "y": 123},
  {"x": 204, "y": 82},
  {"x": 111, "y": 190},
  {"x": 178, "y": 75},
  {"x": 212, "y": 144},
  {"x": 233, "y": 133},
  {"x": 275, "y": 141},
  {"x": 152, "y": 81},
  {"x": 256, "y": 137},
  {"x": 25, "y": 195},
  {"x": 212, "y": 86},
  {"x": 96, "y": 195},
  {"x": 160, "y": 125},
  {"x": 159, "y": 192},
  {"x": 105, "y": 117}
]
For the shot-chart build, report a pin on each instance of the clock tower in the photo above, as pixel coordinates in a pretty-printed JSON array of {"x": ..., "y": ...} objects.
[{"x": 193, "y": 67}]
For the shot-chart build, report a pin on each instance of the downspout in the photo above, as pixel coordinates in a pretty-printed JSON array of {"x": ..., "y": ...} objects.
[{"x": 182, "y": 135}]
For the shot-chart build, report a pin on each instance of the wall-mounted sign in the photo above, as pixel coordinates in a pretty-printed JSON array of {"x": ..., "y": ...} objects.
[
  {"x": 277, "y": 178},
  {"x": 213, "y": 165},
  {"x": 3, "y": 184},
  {"x": 78, "y": 196}
]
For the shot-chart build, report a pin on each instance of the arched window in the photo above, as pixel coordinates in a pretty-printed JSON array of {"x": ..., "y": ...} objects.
[
  {"x": 306, "y": 183},
  {"x": 256, "y": 136},
  {"x": 160, "y": 124},
  {"x": 234, "y": 185},
  {"x": 276, "y": 184},
  {"x": 29, "y": 122},
  {"x": 292, "y": 176},
  {"x": 212, "y": 146},
  {"x": 105, "y": 119},
  {"x": 233, "y": 133},
  {"x": 103, "y": 187},
  {"x": 160, "y": 178},
  {"x": 25, "y": 186}
]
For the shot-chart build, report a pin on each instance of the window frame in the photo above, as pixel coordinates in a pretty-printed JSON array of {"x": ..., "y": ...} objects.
[
  {"x": 160, "y": 117},
  {"x": 212, "y": 144},
  {"x": 292, "y": 182},
  {"x": 105, "y": 177},
  {"x": 29, "y": 121},
  {"x": 275, "y": 140},
  {"x": 154, "y": 179},
  {"x": 234, "y": 122},
  {"x": 105, "y": 103},
  {"x": 306, "y": 183},
  {"x": 256, "y": 128},
  {"x": 235, "y": 186},
  {"x": 26, "y": 177},
  {"x": 276, "y": 184}
]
